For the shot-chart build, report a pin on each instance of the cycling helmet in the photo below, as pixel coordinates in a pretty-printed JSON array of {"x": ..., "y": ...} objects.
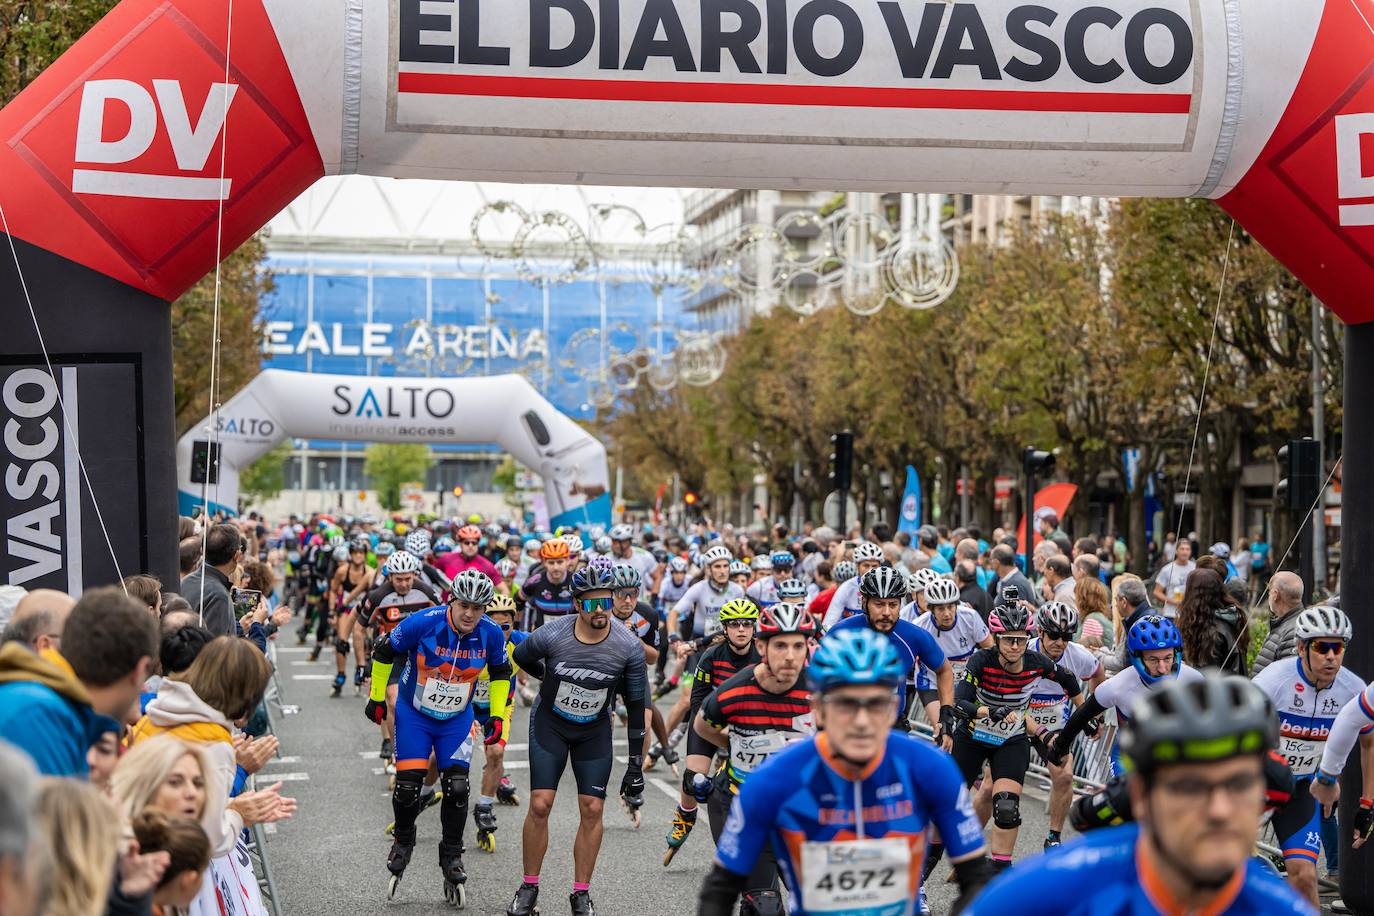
[
  {"x": 677, "y": 564},
  {"x": 860, "y": 656},
  {"x": 738, "y": 568},
  {"x": 403, "y": 561},
  {"x": 760, "y": 563},
  {"x": 575, "y": 545},
  {"x": 739, "y": 609},
  {"x": 782, "y": 559},
  {"x": 715, "y": 555},
  {"x": 1323, "y": 622},
  {"x": 444, "y": 545},
  {"x": 360, "y": 543},
  {"x": 336, "y": 540},
  {"x": 385, "y": 549},
  {"x": 941, "y": 591},
  {"x": 532, "y": 546},
  {"x": 922, "y": 578},
  {"x": 506, "y": 567},
  {"x": 1011, "y": 618},
  {"x": 785, "y": 617},
  {"x": 501, "y": 603},
  {"x": 601, "y": 561},
  {"x": 593, "y": 577},
  {"x": 627, "y": 576},
  {"x": 1215, "y": 718},
  {"x": 1154, "y": 632},
  {"x": 555, "y": 549},
  {"x": 791, "y": 590},
  {"x": 844, "y": 571},
  {"x": 883, "y": 582},
  {"x": 622, "y": 533},
  {"x": 468, "y": 533},
  {"x": 867, "y": 550},
  {"x": 473, "y": 587},
  {"x": 417, "y": 542},
  {"x": 340, "y": 553},
  {"x": 602, "y": 544},
  {"x": 1059, "y": 616}
]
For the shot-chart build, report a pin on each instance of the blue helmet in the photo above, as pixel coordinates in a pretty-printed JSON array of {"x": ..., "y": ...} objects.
[
  {"x": 783, "y": 558},
  {"x": 444, "y": 545},
  {"x": 593, "y": 577},
  {"x": 860, "y": 656},
  {"x": 1154, "y": 632}
]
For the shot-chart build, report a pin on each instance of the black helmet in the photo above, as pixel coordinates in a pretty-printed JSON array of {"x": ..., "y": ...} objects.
[
  {"x": 883, "y": 582},
  {"x": 1215, "y": 718}
]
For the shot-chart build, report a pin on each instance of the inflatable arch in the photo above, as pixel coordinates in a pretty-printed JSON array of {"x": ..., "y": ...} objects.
[{"x": 505, "y": 409}]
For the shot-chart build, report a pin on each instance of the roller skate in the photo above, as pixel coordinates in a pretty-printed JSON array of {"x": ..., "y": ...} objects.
[
  {"x": 396, "y": 862},
  {"x": 662, "y": 690},
  {"x": 632, "y": 804},
  {"x": 339, "y": 680},
  {"x": 525, "y": 902},
  {"x": 485, "y": 819},
  {"x": 683, "y": 822},
  {"x": 580, "y": 902},
  {"x": 358, "y": 681},
  {"x": 455, "y": 878},
  {"x": 506, "y": 793}
]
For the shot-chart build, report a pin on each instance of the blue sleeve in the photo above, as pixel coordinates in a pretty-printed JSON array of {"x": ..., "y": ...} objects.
[
  {"x": 240, "y": 779},
  {"x": 949, "y": 802},
  {"x": 927, "y": 649},
  {"x": 258, "y": 636},
  {"x": 750, "y": 824}
]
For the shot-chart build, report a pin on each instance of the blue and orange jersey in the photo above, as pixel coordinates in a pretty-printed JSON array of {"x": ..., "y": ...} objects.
[
  {"x": 442, "y": 665},
  {"x": 821, "y": 816}
]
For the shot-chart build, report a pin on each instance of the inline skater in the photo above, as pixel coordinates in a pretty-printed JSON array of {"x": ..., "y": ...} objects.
[
  {"x": 765, "y": 707},
  {"x": 1155, "y": 649},
  {"x": 623, "y": 550},
  {"x": 764, "y": 592},
  {"x": 882, "y": 590},
  {"x": 351, "y": 581},
  {"x": 958, "y": 631},
  {"x": 1309, "y": 690},
  {"x": 444, "y": 650},
  {"x": 383, "y": 609},
  {"x": 670, "y": 588},
  {"x": 644, "y": 623},
  {"x": 846, "y": 812},
  {"x": 735, "y": 650},
  {"x": 1049, "y": 705},
  {"x": 581, "y": 661},
  {"x": 741, "y": 574},
  {"x": 384, "y": 552},
  {"x": 1196, "y": 751},
  {"x": 992, "y": 700},
  {"x": 847, "y": 602},
  {"x": 547, "y": 591},
  {"x": 495, "y": 785},
  {"x": 919, "y": 581},
  {"x": 418, "y": 545},
  {"x": 840, "y": 573},
  {"x": 687, "y": 625},
  {"x": 467, "y": 556}
]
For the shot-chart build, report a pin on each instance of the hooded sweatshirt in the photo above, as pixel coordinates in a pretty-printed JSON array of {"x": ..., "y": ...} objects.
[
  {"x": 177, "y": 711},
  {"x": 46, "y": 711}
]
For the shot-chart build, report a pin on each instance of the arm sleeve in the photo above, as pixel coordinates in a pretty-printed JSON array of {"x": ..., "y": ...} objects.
[
  {"x": 1066, "y": 679},
  {"x": 1080, "y": 719},
  {"x": 636, "y": 683},
  {"x": 1355, "y": 719}
]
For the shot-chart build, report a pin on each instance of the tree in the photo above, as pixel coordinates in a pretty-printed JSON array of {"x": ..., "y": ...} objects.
[
  {"x": 503, "y": 479},
  {"x": 266, "y": 477},
  {"x": 390, "y": 465}
]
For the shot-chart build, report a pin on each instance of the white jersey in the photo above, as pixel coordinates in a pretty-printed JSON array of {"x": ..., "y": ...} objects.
[
  {"x": 1306, "y": 714},
  {"x": 1049, "y": 704},
  {"x": 1356, "y": 719},
  {"x": 702, "y": 602},
  {"x": 958, "y": 643},
  {"x": 764, "y": 592},
  {"x": 641, "y": 560},
  {"x": 1121, "y": 690},
  {"x": 669, "y": 593},
  {"x": 911, "y": 611},
  {"x": 844, "y": 603}
]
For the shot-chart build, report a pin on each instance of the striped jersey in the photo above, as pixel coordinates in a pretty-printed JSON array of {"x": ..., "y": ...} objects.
[
  {"x": 987, "y": 683},
  {"x": 760, "y": 722}
]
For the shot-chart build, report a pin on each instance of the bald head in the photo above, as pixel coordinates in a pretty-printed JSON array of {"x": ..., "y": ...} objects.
[
  {"x": 39, "y": 618},
  {"x": 1285, "y": 594}
]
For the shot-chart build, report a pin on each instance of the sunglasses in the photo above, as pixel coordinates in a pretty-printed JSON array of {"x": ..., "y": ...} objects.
[
  {"x": 592, "y": 605},
  {"x": 740, "y": 624},
  {"x": 1055, "y": 635},
  {"x": 470, "y": 543},
  {"x": 1013, "y": 640},
  {"x": 1327, "y": 648},
  {"x": 627, "y": 593},
  {"x": 851, "y": 706}
]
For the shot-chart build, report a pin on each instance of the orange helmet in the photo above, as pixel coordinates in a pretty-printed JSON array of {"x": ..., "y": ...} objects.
[
  {"x": 468, "y": 533},
  {"x": 554, "y": 549}
]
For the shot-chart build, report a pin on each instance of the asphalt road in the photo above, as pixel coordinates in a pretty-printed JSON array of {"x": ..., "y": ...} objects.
[{"x": 331, "y": 858}]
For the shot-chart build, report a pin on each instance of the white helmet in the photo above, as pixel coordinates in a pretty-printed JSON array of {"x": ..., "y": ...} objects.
[
  {"x": 575, "y": 545},
  {"x": 942, "y": 591},
  {"x": 402, "y": 561},
  {"x": 417, "y": 542},
  {"x": 472, "y": 586},
  {"x": 532, "y": 546},
  {"x": 738, "y": 568},
  {"x": 603, "y": 544},
  {"x": 716, "y": 554},
  {"x": 844, "y": 571},
  {"x": 1323, "y": 621},
  {"x": 622, "y": 533},
  {"x": 922, "y": 578},
  {"x": 341, "y": 553},
  {"x": 867, "y": 550},
  {"x": 761, "y": 562},
  {"x": 677, "y": 564}
]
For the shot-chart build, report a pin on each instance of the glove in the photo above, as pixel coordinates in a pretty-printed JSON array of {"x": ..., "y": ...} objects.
[
  {"x": 632, "y": 784},
  {"x": 375, "y": 710},
  {"x": 947, "y": 725},
  {"x": 491, "y": 731},
  {"x": 998, "y": 713},
  {"x": 1057, "y": 750},
  {"x": 1364, "y": 819},
  {"x": 1044, "y": 749}
]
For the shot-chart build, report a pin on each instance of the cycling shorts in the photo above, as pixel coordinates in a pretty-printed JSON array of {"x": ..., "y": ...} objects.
[
  {"x": 1298, "y": 825},
  {"x": 1009, "y": 760},
  {"x": 417, "y": 735},
  {"x": 928, "y": 697},
  {"x": 483, "y": 713},
  {"x": 554, "y": 741}
]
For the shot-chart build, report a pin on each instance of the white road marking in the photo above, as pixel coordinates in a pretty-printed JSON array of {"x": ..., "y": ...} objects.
[
  {"x": 667, "y": 788},
  {"x": 279, "y": 760},
  {"x": 312, "y": 677},
  {"x": 293, "y": 649},
  {"x": 269, "y": 829},
  {"x": 320, "y": 661},
  {"x": 289, "y": 777}
]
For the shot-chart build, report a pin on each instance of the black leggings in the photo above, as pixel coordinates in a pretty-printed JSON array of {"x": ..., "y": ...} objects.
[
  {"x": 1009, "y": 760},
  {"x": 553, "y": 742},
  {"x": 765, "y": 873}
]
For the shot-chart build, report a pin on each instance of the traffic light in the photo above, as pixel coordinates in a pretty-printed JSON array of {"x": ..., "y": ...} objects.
[
  {"x": 1299, "y": 462},
  {"x": 690, "y": 498},
  {"x": 205, "y": 462},
  {"x": 842, "y": 460},
  {"x": 458, "y": 491}
]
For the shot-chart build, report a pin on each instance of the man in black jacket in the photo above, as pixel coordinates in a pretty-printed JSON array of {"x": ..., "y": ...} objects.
[{"x": 207, "y": 589}]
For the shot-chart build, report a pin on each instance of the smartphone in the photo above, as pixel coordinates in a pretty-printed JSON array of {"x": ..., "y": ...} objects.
[{"x": 245, "y": 600}]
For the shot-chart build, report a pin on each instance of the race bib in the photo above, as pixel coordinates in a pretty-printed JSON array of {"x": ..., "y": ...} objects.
[
  {"x": 1010, "y": 727},
  {"x": 483, "y": 695},
  {"x": 580, "y": 704},
  {"x": 857, "y": 877},
  {"x": 1302, "y": 756},
  {"x": 442, "y": 699},
  {"x": 1047, "y": 712},
  {"x": 748, "y": 752}
]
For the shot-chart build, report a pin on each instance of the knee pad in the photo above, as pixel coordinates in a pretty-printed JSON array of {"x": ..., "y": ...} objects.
[
  {"x": 407, "y": 791},
  {"x": 761, "y": 903},
  {"x": 697, "y": 785},
  {"x": 1006, "y": 810},
  {"x": 341, "y": 646},
  {"x": 454, "y": 780}
]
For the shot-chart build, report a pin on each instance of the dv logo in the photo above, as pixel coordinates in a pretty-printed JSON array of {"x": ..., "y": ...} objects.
[
  {"x": 1352, "y": 180},
  {"x": 99, "y": 139}
]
